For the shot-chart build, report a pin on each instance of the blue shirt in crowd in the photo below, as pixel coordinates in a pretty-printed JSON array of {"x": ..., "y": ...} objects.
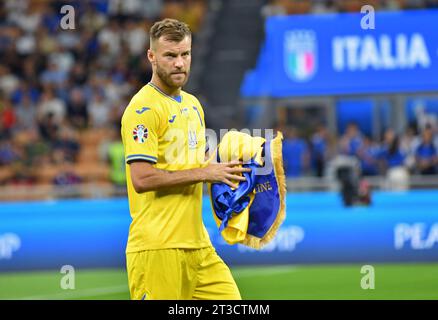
[{"x": 293, "y": 151}]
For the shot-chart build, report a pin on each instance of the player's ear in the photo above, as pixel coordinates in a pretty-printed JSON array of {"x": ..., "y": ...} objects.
[{"x": 151, "y": 56}]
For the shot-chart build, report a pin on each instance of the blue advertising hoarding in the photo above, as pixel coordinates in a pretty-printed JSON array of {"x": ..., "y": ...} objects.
[
  {"x": 331, "y": 54},
  {"x": 398, "y": 227}
]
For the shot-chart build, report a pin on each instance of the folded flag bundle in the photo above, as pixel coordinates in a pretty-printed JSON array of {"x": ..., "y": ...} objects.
[{"x": 252, "y": 213}]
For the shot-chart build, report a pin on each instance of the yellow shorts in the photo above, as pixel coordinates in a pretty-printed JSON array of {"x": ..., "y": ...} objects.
[{"x": 173, "y": 274}]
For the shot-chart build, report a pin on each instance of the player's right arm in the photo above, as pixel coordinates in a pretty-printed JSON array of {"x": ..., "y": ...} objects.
[
  {"x": 141, "y": 125},
  {"x": 145, "y": 177}
]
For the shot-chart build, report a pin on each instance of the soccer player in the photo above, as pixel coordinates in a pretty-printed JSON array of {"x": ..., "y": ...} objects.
[{"x": 169, "y": 254}]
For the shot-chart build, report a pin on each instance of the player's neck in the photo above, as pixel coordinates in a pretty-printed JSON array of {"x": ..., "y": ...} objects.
[{"x": 170, "y": 91}]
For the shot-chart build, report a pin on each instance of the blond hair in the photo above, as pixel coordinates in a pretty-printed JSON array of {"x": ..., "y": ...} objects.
[{"x": 170, "y": 29}]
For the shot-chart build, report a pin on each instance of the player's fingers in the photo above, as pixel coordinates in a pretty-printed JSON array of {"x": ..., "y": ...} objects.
[
  {"x": 235, "y": 177},
  {"x": 240, "y": 170},
  {"x": 228, "y": 182},
  {"x": 234, "y": 163}
]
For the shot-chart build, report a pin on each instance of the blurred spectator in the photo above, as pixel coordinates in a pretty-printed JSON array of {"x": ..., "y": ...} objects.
[
  {"x": 152, "y": 9},
  {"x": 351, "y": 141},
  {"x": 7, "y": 152},
  {"x": 391, "y": 153},
  {"x": 8, "y": 81},
  {"x": 110, "y": 38},
  {"x": 193, "y": 13},
  {"x": 50, "y": 104},
  {"x": 125, "y": 8},
  {"x": 77, "y": 109},
  {"x": 397, "y": 175},
  {"x": 295, "y": 153},
  {"x": 425, "y": 119},
  {"x": 99, "y": 110},
  {"x": 36, "y": 150},
  {"x": 408, "y": 144},
  {"x": 25, "y": 43},
  {"x": 7, "y": 118},
  {"x": 26, "y": 112},
  {"x": 53, "y": 75},
  {"x": 136, "y": 37},
  {"x": 62, "y": 59},
  {"x": 25, "y": 15},
  {"x": 48, "y": 128},
  {"x": 115, "y": 156},
  {"x": 66, "y": 145},
  {"x": 25, "y": 90},
  {"x": 426, "y": 153},
  {"x": 78, "y": 75},
  {"x": 46, "y": 42},
  {"x": 368, "y": 155},
  {"x": 92, "y": 19},
  {"x": 319, "y": 150}
]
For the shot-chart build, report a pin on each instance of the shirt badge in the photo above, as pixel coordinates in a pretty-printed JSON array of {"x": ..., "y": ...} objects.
[{"x": 140, "y": 133}]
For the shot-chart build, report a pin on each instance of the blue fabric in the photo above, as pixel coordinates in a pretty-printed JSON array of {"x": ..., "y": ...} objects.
[
  {"x": 426, "y": 151},
  {"x": 393, "y": 160},
  {"x": 354, "y": 145},
  {"x": 264, "y": 208},
  {"x": 319, "y": 146},
  {"x": 252, "y": 213},
  {"x": 226, "y": 201},
  {"x": 368, "y": 159},
  {"x": 266, "y": 204}
]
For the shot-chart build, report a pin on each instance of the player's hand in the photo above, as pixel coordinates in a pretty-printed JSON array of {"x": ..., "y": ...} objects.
[{"x": 225, "y": 173}]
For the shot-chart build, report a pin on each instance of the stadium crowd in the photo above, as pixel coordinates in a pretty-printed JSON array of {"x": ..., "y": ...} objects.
[
  {"x": 415, "y": 150},
  {"x": 62, "y": 91}
]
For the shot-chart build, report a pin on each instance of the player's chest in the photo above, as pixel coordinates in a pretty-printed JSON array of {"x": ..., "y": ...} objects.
[
  {"x": 184, "y": 126},
  {"x": 183, "y": 116}
]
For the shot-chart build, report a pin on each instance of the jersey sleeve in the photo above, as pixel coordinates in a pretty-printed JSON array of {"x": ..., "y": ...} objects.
[{"x": 140, "y": 129}]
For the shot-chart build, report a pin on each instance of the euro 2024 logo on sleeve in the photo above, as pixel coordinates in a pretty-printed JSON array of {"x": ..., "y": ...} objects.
[
  {"x": 300, "y": 54},
  {"x": 140, "y": 133}
]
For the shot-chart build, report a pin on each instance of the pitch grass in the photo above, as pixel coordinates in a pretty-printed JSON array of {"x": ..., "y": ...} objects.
[{"x": 392, "y": 281}]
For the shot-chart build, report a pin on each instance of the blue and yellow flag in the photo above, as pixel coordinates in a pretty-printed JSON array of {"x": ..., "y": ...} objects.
[{"x": 252, "y": 213}]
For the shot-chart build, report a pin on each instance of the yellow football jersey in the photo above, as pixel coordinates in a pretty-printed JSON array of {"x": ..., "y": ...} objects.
[{"x": 169, "y": 132}]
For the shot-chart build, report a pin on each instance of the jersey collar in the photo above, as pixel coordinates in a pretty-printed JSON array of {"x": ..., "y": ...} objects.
[{"x": 174, "y": 98}]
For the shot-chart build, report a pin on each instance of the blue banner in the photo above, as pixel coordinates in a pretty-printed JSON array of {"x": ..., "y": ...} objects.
[
  {"x": 331, "y": 54},
  {"x": 398, "y": 227}
]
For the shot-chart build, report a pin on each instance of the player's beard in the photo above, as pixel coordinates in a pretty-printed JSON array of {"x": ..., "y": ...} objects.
[{"x": 166, "y": 78}]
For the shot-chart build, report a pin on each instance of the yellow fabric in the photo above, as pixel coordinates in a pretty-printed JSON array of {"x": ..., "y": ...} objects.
[
  {"x": 243, "y": 147},
  {"x": 170, "y": 218},
  {"x": 175, "y": 274}
]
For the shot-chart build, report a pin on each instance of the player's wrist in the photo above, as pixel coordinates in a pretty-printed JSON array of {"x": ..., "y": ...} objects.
[{"x": 202, "y": 174}]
